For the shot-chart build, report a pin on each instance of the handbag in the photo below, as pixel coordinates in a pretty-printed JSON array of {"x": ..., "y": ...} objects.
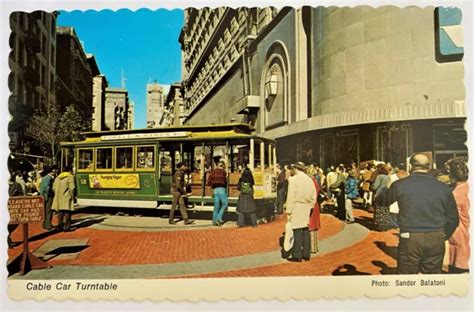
[{"x": 289, "y": 238}]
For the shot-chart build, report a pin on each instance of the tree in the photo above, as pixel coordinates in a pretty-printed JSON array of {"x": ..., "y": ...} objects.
[
  {"x": 51, "y": 127},
  {"x": 71, "y": 125}
]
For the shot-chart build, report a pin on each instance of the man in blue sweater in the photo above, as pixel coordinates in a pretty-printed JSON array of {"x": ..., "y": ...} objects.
[{"x": 428, "y": 216}]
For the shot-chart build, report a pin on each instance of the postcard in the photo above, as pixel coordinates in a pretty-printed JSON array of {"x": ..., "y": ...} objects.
[{"x": 236, "y": 152}]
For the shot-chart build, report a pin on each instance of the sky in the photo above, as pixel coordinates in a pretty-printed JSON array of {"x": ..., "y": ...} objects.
[{"x": 143, "y": 43}]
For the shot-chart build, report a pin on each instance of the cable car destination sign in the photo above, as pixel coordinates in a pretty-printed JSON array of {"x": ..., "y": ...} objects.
[{"x": 176, "y": 134}]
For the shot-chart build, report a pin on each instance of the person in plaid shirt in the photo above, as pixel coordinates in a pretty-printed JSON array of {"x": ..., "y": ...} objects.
[{"x": 218, "y": 181}]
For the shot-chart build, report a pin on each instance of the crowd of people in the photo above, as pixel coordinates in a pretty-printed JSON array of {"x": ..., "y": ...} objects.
[
  {"x": 428, "y": 207},
  {"x": 57, "y": 189}
]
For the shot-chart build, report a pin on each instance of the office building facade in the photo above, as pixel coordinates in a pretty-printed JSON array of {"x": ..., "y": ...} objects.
[{"x": 331, "y": 85}]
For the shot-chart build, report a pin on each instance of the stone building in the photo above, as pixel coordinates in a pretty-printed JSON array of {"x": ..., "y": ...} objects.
[
  {"x": 74, "y": 75},
  {"x": 131, "y": 115},
  {"x": 32, "y": 62},
  {"x": 174, "y": 113},
  {"x": 116, "y": 108},
  {"x": 99, "y": 85},
  {"x": 331, "y": 85},
  {"x": 155, "y": 99}
]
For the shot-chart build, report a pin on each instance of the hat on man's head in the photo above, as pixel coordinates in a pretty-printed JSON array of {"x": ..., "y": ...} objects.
[{"x": 300, "y": 166}]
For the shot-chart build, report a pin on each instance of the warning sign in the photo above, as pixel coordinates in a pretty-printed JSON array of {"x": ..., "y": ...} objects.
[{"x": 24, "y": 209}]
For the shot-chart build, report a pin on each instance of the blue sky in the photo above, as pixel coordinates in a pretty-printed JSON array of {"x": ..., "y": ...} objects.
[{"x": 144, "y": 43}]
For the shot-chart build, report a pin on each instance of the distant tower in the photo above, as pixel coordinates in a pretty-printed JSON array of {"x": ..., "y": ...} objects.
[{"x": 154, "y": 104}]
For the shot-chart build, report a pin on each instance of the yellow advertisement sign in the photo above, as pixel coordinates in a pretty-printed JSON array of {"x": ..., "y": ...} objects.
[
  {"x": 114, "y": 181},
  {"x": 258, "y": 178}
]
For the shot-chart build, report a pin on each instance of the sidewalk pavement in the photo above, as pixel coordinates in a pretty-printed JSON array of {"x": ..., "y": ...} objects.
[{"x": 106, "y": 246}]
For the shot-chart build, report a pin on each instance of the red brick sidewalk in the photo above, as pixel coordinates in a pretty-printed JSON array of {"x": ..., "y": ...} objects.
[
  {"x": 108, "y": 247},
  {"x": 374, "y": 255},
  {"x": 362, "y": 258}
]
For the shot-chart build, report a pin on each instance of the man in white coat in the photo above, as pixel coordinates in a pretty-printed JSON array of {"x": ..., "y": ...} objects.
[{"x": 300, "y": 200}]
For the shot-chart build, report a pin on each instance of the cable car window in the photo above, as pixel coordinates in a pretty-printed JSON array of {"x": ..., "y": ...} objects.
[
  {"x": 145, "y": 157},
  {"x": 124, "y": 157},
  {"x": 103, "y": 158},
  {"x": 86, "y": 159}
]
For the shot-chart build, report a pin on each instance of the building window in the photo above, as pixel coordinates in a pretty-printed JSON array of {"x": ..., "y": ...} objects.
[
  {"x": 449, "y": 141},
  {"x": 394, "y": 143}
]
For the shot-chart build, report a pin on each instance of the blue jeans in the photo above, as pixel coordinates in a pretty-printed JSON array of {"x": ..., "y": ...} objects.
[{"x": 220, "y": 204}]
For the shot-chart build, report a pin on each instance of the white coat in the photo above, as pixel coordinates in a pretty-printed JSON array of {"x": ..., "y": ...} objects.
[{"x": 300, "y": 200}]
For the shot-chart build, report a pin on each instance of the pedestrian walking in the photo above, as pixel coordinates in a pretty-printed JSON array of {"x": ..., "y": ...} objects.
[
  {"x": 218, "y": 181},
  {"x": 21, "y": 181},
  {"x": 331, "y": 178},
  {"x": 14, "y": 189},
  {"x": 366, "y": 175},
  {"x": 246, "y": 204},
  {"x": 427, "y": 217},
  {"x": 459, "y": 249},
  {"x": 178, "y": 190},
  {"x": 338, "y": 189},
  {"x": 352, "y": 192},
  {"x": 300, "y": 200},
  {"x": 63, "y": 202},
  {"x": 282, "y": 188},
  {"x": 46, "y": 190},
  {"x": 397, "y": 174},
  {"x": 381, "y": 212},
  {"x": 314, "y": 217}
]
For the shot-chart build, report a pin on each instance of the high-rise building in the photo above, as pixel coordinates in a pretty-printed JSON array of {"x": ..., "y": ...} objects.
[
  {"x": 32, "y": 78},
  {"x": 116, "y": 109},
  {"x": 331, "y": 85},
  {"x": 99, "y": 85},
  {"x": 215, "y": 54},
  {"x": 154, "y": 104},
  {"x": 74, "y": 75},
  {"x": 174, "y": 107},
  {"x": 131, "y": 115}
]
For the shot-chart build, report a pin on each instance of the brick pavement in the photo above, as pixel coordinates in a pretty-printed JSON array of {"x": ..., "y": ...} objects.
[
  {"x": 364, "y": 257},
  {"x": 108, "y": 248}
]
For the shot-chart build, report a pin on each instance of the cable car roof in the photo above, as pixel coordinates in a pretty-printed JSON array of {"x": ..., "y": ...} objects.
[
  {"x": 236, "y": 127},
  {"x": 234, "y": 131}
]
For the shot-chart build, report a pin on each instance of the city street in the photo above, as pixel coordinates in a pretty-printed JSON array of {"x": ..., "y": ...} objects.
[{"x": 107, "y": 246}]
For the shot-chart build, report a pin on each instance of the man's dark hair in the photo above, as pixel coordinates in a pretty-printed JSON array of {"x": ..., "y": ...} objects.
[
  {"x": 180, "y": 164},
  {"x": 46, "y": 170},
  {"x": 458, "y": 169},
  {"x": 401, "y": 166}
]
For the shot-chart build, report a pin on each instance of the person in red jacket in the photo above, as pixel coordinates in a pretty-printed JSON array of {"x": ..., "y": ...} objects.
[{"x": 459, "y": 250}]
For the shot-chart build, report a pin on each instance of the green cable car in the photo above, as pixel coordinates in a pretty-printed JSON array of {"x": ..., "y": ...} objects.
[{"x": 134, "y": 168}]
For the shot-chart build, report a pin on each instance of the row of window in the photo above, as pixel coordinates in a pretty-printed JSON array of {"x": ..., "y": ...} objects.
[{"x": 125, "y": 158}]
